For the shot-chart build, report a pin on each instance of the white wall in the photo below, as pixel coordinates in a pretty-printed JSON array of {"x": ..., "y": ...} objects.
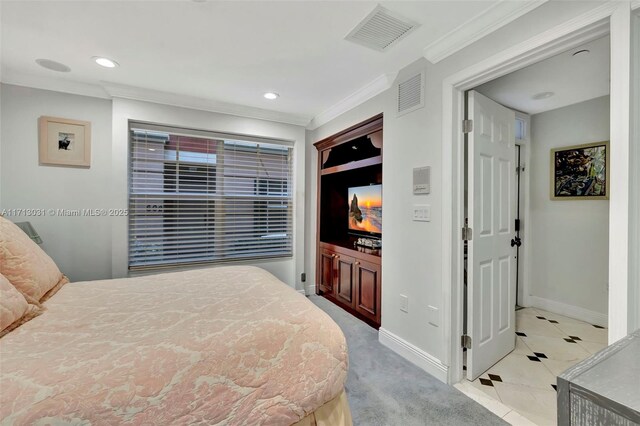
[
  {"x": 412, "y": 251},
  {"x": 569, "y": 239},
  {"x": 124, "y": 110},
  {"x": 81, "y": 246},
  {"x": 88, "y": 248},
  {"x": 634, "y": 214}
]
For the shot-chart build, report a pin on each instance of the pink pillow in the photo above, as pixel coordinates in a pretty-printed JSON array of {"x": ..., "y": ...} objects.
[
  {"x": 26, "y": 265},
  {"x": 14, "y": 309}
]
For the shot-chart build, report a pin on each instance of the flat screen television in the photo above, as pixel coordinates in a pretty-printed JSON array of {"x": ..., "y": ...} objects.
[{"x": 365, "y": 210}]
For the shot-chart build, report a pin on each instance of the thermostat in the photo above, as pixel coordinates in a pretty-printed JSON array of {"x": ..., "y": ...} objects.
[{"x": 422, "y": 180}]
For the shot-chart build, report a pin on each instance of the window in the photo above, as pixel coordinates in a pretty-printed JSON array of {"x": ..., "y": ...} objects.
[
  {"x": 200, "y": 197},
  {"x": 521, "y": 129}
]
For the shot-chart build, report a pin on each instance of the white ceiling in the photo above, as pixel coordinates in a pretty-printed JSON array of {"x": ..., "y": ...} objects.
[
  {"x": 572, "y": 79},
  {"x": 230, "y": 52}
]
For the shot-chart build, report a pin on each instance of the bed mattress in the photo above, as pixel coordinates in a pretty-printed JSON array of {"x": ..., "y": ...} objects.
[{"x": 226, "y": 345}]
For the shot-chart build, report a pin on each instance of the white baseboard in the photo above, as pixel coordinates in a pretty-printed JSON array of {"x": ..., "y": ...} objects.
[
  {"x": 571, "y": 311},
  {"x": 311, "y": 289},
  {"x": 417, "y": 356}
]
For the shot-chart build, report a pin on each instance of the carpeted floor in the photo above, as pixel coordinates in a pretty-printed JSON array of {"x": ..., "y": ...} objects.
[{"x": 385, "y": 389}]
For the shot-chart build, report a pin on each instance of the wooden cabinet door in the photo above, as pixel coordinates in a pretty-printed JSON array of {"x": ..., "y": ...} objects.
[
  {"x": 345, "y": 279},
  {"x": 326, "y": 271},
  {"x": 368, "y": 290}
]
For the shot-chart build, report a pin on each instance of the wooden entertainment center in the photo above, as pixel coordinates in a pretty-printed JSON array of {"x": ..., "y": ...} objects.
[{"x": 348, "y": 274}]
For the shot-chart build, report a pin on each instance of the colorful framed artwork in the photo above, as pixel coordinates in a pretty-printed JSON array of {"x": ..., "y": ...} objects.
[
  {"x": 64, "y": 142},
  {"x": 580, "y": 172}
]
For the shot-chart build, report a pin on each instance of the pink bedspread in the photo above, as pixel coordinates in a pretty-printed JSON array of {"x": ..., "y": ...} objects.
[{"x": 228, "y": 345}]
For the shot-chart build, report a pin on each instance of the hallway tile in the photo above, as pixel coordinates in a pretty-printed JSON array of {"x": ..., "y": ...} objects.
[
  {"x": 556, "y": 348},
  {"x": 532, "y": 325},
  {"x": 490, "y": 401},
  {"x": 585, "y": 332},
  {"x": 516, "y": 419},
  {"x": 537, "y": 405},
  {"x": 592, "y": 347},
  {"x": 521, "y": 347},
  {"x": 556, "y": 367},
  {"x": 519, "y": 370},
  {"x": 546, "y": 345}
]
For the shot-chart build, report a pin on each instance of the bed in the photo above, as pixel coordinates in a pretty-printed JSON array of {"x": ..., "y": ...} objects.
[{"x": 226, "y": 345}]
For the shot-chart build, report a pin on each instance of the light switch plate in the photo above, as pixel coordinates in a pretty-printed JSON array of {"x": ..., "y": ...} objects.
[
  {"x": 433, "y": 317},
  {"x": 422, "y": 212},
  {"x": 404, "y": 303}
]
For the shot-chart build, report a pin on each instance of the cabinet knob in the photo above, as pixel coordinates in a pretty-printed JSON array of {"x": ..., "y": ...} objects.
[
  {"x": 357, "y": 262},
  {"x": 333, "y": 255}
]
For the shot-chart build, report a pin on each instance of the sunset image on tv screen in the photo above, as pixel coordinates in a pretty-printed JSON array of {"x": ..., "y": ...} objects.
[{"x": 365, "y": 209}]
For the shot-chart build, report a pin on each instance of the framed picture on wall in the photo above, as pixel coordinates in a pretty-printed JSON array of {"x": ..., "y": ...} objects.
[
  {"x": 64, "y": 142},
  {"x": 580, "y": 172}
]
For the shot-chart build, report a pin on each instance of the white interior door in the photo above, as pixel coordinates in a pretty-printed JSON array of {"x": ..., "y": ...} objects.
[{"x": 491, "y": 268}]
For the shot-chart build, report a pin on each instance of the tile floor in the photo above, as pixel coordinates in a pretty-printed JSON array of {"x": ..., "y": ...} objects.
[{"x": 521, "y": 388}]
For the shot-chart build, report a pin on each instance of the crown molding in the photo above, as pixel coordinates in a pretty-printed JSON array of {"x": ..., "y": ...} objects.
[
  {"x": 192, "y": 102},
  {"x": 53, "y": 84},
  {"x": 635, "y": 4},
  {"x": 490, "y": 20},
  {"x": 107, "y": 90},
  {"x": 377, "y": 86}
]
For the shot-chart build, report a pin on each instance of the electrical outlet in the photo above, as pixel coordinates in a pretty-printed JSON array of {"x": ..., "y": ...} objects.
[
  {"x": 404, "y": 303},
  {"x": 303, "y": 277}
]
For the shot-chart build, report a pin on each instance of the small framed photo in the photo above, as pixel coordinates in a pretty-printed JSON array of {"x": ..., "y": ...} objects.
[
  {"x": 65, "y": 142},
  {"x": 580, "y": 172}
]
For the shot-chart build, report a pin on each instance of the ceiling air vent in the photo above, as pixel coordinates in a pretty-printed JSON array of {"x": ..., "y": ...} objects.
[
  {"x": 411, "y": 94},
  {"x": 381, "y": 29}
]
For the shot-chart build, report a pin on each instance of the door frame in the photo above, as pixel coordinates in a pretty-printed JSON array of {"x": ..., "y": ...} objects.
[
  {"x": 613, "y": 18},
  {"x": 634, "y": 291},
  {"x": 524, "y": 255}
]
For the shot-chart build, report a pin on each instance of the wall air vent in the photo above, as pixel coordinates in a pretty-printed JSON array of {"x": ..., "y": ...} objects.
[
  {"x": 411, "y": 94},
  {"x": 381, "y": 29}
]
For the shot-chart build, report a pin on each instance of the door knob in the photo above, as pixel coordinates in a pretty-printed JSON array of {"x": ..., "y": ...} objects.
[{"x": 516, "y": 242}]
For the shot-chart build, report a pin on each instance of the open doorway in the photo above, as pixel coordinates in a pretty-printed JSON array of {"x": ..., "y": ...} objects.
[{"x": 537, "y": 205}]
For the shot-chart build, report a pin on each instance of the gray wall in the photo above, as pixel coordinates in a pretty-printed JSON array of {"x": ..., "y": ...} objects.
[
  {"x": 81, "y": 246},
  {"x": 412, "y": 260},
  {"x": 569, "y": 238},
  {"x": 89, "y": 248}
]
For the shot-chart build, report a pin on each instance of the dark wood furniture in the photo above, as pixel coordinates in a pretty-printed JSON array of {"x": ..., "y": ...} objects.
[{"x": 348, "y": 275}]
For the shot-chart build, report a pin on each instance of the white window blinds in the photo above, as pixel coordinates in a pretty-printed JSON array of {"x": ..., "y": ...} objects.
[{"x": 199, "y": 197}]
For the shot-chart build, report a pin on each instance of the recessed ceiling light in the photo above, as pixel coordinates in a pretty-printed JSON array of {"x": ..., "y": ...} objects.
[
  {"x": 52, "y": 65},
  {"x": 542, "y": 95},
  {"x": 271, "y": 95},
  {"x": 581, "y": 52},
  {"x": 105, "y": 62}
]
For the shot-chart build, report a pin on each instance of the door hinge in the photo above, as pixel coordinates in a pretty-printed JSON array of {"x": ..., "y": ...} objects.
[
  {"x": 465, "y": 341},
  {"x": 467, "y": 233},
  {"x": 467, "y": 126}
]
